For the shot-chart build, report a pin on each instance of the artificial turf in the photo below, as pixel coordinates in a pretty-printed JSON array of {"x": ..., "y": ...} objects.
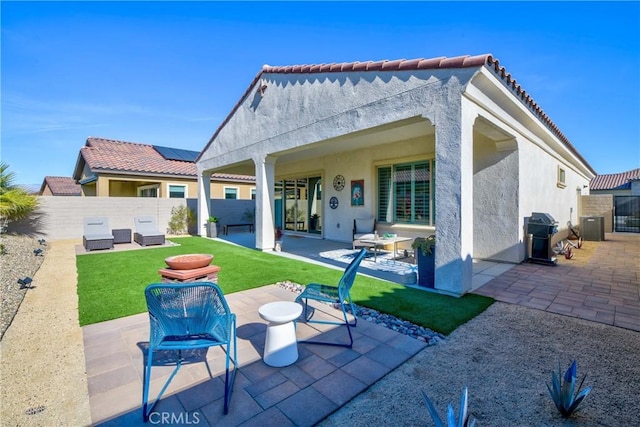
[{"x": 111, "y": 284}]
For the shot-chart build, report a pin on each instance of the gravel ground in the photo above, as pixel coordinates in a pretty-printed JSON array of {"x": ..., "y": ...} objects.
[
  {"x": 505, "y": 357},
  {"x": 17, "y": 261}
]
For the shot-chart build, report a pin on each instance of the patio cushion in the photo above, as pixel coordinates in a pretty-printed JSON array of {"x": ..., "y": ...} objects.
[{"x": 364, "y": 225}]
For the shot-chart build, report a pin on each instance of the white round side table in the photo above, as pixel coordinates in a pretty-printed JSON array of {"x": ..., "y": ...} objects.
[{"x": 280, "y": 345}]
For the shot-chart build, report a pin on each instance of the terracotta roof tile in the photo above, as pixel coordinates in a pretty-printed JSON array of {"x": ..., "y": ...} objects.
[
  {"x": 614, "y": 181},
  {"x": 61, "y": 186},
  {"x": 441, "y": 62},
  {"x": 108, "y": 155}
]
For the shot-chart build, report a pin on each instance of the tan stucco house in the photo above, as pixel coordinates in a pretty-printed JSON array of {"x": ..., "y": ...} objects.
[
  {"x": 450, "y": 146},
  {"x": 111, "y": 168}
]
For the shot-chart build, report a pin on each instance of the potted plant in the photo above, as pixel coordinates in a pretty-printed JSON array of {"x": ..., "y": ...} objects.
[
  {"x": 425, "y": 252},
  {"x": 212, "y": 226},
  {"x": 278, "y": 236},
  {"x": 313, "y": 221}
]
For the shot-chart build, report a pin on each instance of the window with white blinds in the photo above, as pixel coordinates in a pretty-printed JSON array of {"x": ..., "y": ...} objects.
[{"x": 405, "y": 193}]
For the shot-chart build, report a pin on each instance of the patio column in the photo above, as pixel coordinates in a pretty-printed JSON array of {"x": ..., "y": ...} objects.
[
  {"x": 204, "y": 201},
  {"x": 265, "y": 186},
  {"x": 454, "y": 196}
]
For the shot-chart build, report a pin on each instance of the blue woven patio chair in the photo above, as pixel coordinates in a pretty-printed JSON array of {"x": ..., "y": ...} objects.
[
  {"x": 334, "y": 294},
  {"x": 186, "y": 317}
]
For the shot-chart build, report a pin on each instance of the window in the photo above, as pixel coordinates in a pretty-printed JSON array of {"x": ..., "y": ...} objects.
[
  {"x": 253, "y": 194},
  {"x": 230, "y": 193},
  {"x": 405, "y": 193},
  {"x": 561, "y": 177},
  {"x": 148, "y": 191},
  {"x": 177, "y": 191}
]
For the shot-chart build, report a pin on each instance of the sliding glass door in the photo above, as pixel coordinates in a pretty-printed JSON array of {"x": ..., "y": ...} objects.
[{"x": 298, "y": 205}]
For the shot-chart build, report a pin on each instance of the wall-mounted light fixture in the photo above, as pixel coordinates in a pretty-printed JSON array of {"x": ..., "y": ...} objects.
[{"x": 262, "y": 87}]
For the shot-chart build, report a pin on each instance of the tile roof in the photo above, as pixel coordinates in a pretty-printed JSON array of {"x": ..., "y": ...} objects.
[
  {"x": 442, "y": 62},
  {"x": 614, "y": 181},
  {"x": 61, "y": 186},
  {"x": 109, "y": 155}
]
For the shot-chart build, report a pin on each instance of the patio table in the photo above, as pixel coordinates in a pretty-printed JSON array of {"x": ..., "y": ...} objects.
[{"x": 383, "y": 241}]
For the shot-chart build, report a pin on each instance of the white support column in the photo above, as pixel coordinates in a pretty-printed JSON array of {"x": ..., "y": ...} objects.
[
  {"x": 204, "y": 201},
  {"x": 265, "y": 187},
  {"x": 454, "y": 199}
]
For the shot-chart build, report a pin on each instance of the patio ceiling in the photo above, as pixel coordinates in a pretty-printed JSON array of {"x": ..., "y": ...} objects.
[{"x": 391, "y": 132}]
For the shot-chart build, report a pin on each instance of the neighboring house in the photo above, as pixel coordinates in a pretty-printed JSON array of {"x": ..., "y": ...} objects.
[
  {"x": 59, "y": 186},
  {"x": 618, "y": 184},
  {"x": 451, "y": 146},
  {"x": 624, "y": 201},
  {"x": 110, "y": 168}
]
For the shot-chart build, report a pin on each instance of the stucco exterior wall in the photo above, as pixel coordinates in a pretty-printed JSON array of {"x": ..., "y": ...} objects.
[
  {"x": 350, "y": 102},
  {"x": 495, "y": 200}
]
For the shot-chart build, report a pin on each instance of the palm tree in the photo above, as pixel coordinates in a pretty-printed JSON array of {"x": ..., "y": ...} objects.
[{"x": 15, "y": 203}]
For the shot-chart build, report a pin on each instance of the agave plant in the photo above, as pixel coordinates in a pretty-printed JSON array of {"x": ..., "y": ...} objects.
[
  {"x": 564, "y": 393},
  {"x": 463, "y": 417}
]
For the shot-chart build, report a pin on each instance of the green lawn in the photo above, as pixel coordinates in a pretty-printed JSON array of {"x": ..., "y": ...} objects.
[{"x": 111, "y": 285}]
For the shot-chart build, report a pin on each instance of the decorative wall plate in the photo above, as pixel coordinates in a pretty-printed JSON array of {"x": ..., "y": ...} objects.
[
  {"x": 338, "y": 183},
  {"x": 333, "y": 202}
]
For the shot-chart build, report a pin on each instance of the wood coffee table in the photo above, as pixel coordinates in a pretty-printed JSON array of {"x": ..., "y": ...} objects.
[{"x": 382, "y": 241}]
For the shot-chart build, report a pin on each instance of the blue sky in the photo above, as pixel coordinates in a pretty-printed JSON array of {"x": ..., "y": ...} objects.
[{"x": 168, "y": 73}]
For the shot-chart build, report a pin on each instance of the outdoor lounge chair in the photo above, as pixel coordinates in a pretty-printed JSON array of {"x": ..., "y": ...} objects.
[
  {"x": 97, "y": 234},
  {"x": 185, "y": 320},
  {"x": 147, "y": 232},
  {"x": 333, "y": 294},
  {"x": 363, "y": 229}
]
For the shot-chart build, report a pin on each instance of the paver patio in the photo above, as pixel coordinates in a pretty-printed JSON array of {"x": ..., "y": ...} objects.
[{"x": 322, "y": 380}]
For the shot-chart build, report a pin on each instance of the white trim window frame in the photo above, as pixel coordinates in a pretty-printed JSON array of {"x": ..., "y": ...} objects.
[
  {"x": 561, "y": 177},
  {"x": 235, "y": 191},
  {"x": 174, "y": 189},
  {"x": 406, "y": 193}
]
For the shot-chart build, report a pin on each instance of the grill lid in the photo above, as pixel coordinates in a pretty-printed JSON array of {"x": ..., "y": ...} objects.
[{"x": 542, "y": 218}]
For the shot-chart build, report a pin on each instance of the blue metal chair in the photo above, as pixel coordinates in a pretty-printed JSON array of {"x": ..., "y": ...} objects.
[
  {"x": 185, "y": 317},
  {"x": 333, "y": 294}
]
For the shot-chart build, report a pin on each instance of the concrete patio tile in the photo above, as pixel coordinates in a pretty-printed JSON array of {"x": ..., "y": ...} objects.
[
  {"x": 344, "y": 357},
  {"x": 366, "y": 370},
  {"x": 307, "y": 407},
  {"x": 107, "y": 363},
  {"x": 316, "y": 366},
  {"x": 297, "y": 375},
  {"x": 115, "y": 402},
  {"x": 109, "y": 380},
  {"x": 272, "y": 417},
  {"x": 265, "y": 384},
  {"x": 561, "y": 309},
  {"x": 202, "y": 394},
  {"x": 537, "y": 303},
  {"x": 241, "y": 408},
  {"x": 276, "y": 394},
  {"x": 406, "y": 344},
  {"x": 348, "y": 388},
  {"x": 388, "y": 356}
]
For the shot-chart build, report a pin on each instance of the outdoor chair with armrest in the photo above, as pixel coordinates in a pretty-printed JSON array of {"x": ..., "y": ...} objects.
[
  {"x": 147, "y": 232},
  {"x": 188, "y": 317},
  {"x": 363, "y": 229},
  {"x": 97, "y": 234},
  {"x": 340, "y": 294}
]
